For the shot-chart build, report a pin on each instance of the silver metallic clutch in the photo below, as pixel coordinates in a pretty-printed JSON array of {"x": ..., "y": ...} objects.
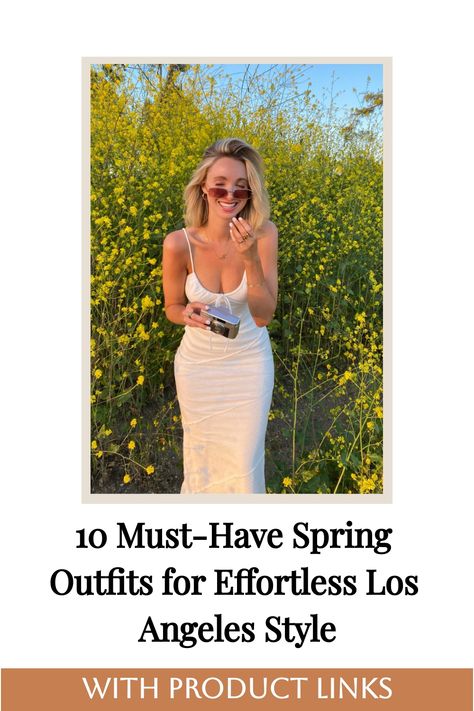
[{"x": 222, "y": 321}]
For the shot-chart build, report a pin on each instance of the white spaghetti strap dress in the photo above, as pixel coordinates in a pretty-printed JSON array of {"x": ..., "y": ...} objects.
[{"x": 224, "y": 389}]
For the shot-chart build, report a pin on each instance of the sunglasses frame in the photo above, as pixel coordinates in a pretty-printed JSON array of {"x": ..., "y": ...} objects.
[{"x": 218, "y": 192}]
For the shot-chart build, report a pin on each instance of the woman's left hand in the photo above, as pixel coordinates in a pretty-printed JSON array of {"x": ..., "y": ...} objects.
[{"x": 243, "y": 238}]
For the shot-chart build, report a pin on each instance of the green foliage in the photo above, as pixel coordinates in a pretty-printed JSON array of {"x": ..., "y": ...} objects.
[{"x": 149, "y": 127}]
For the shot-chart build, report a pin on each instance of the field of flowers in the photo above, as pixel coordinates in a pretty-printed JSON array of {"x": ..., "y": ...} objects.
[{"x": 149, "y": 127}]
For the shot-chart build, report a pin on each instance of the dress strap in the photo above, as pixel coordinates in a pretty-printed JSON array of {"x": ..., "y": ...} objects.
[{"x": 189, "y": 246}]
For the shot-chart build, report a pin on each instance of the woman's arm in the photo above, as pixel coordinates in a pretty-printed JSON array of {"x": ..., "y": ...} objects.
[
  {"x": 177, "y": 308},
  {"x": 260, "y": 260}
]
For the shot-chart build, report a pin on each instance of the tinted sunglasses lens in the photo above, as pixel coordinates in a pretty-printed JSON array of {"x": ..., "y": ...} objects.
[
  {"x": 217, "y": 192},
  {"x": 240, "y": 194}
]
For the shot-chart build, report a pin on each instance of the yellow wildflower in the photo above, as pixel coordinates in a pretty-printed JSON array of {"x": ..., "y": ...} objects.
[
  {"x": 127, "y": 479},
  {"x": 141, "y": 332},
  {"x": 150, "y": 469},
  {"x": 147, "y": 303},
  {"x": 133, "y": 423},
  {"x": 131, "y": 445},
  {"x": 140, "y": 380},
  {"x": 287, "y": 481},
  {"x": 366, "y": 486}
]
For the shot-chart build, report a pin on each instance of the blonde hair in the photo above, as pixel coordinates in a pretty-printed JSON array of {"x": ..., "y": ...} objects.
[{"x": 257, "y": 208}]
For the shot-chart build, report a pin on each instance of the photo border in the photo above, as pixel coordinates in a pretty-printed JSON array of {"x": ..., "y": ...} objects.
[{"x": 126, "y": 498}]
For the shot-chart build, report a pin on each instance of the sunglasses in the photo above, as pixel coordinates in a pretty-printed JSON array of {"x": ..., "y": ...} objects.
[{"x": 238, "y": 193}]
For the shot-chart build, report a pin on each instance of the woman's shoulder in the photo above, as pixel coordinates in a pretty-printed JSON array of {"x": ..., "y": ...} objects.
[
  {"x": 268, "y": 229},
  {"x": 175, "y": 242}
]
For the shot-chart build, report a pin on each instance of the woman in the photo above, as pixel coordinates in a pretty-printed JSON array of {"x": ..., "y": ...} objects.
[{"x": 226, "y": 257}]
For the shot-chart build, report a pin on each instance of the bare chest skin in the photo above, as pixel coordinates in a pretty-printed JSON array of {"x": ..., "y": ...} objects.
[{"x": 217, "y": 265}]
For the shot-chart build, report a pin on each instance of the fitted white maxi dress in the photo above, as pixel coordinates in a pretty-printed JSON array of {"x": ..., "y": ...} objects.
[{"x": 224, "y": 389}]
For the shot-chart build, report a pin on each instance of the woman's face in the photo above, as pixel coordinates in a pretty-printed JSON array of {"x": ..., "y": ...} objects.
[{"x": 231, "y": 174}]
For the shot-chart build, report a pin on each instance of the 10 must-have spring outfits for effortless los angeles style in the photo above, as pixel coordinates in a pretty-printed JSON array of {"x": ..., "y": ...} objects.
[{"x": 224, "y": 391}]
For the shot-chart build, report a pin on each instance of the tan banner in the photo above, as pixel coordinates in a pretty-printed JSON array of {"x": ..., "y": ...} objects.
[{"x": 117, "y": 689}]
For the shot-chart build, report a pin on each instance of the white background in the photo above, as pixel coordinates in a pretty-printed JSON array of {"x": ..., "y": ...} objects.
[{"x": 41, "y": 285}]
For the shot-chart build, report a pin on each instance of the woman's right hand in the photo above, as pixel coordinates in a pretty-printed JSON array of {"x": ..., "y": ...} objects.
[{"x": 192, "y": 315}]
